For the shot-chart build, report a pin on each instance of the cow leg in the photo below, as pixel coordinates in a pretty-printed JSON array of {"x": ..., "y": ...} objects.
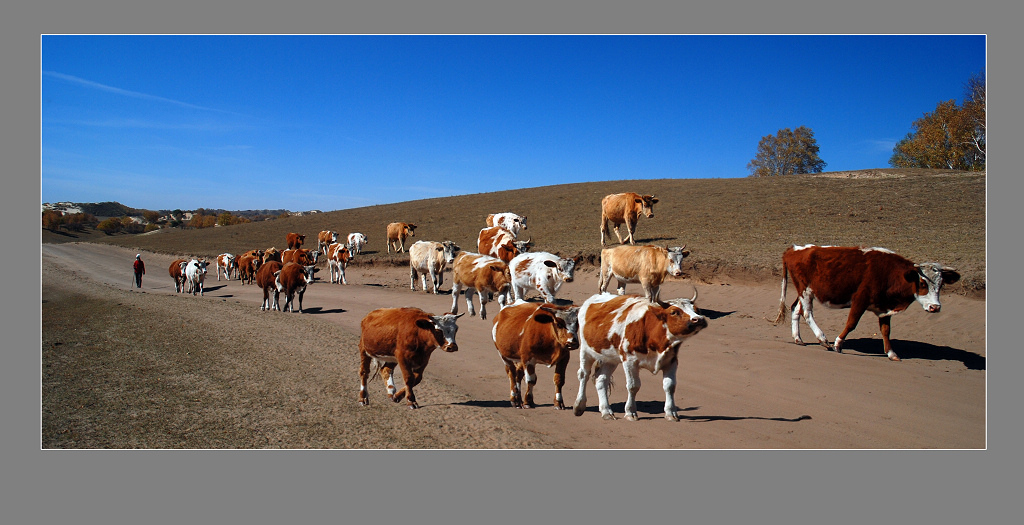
[
  {"x": 617, "y": 234},
  {"x": 630, "y": 226},
  {"x": 411, "y": 379},
  {"x": 620, "y": 286},
  {"x": 301, "y": 293},
  {"x": 531, "y": 381},
  {"x": 668, "y": 383},
  {"x": 514, "y": 397},
  {"x": 277, "y": 303},
  {"x": 583, "y": 374},
  {"x": 559, "y": 379},
  {"x": 484, "y": 298},
  {"x": 632, "y": 370},
  {"x": 857, "y": 309},
  {"x": 883, "y": 328},
  {"x": 364, "y": 374},
  {"x": 806, "y": 307},
  {"x": 603, "y": 383},
  {"x": 433, "y": 281},
  {"x": 604, "y": 229},
  {"x": 455, "y": 297},
  {"x": 412, "y": 279}
]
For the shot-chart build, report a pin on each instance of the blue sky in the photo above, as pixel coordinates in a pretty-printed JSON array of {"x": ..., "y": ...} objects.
[{"x": 334, "y": 122}]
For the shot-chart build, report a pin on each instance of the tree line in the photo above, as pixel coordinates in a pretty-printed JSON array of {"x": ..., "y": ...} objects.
[{"x": 951, "y": 137}]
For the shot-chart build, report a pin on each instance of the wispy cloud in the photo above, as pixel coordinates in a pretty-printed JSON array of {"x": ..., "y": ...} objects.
[
  {"x": 882, "y": 145},
  {"x": 125, "y": 92}
]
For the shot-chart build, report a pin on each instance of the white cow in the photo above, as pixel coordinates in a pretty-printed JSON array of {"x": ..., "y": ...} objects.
[
  {"x": 430, "y": 258},
  {"x": 508, "y": 221},
  {"x": 338, "y": 256},
  {"x": 356, "y": 242},
  {"x": 195, "y": 273},
  {"x": 542, "y": 271}
]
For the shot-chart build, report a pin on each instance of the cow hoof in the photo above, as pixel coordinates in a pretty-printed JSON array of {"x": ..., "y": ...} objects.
[
  {"x": 413, "y": 406},
  {"x": 608, "y": 417},
  {"x": 577, "y": 410},
  {"x": 363, "y": 403},
  {"x": 894, "y": 357},
  {"x": 632, "y": 417},
  {"x": 559, "y": 406},
  {"x": 671, "y": 416},
  {"x": 799, "y": 342}
]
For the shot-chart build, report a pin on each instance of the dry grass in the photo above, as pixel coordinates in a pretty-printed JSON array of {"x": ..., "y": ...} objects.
[{"x": 734, "y": 228}]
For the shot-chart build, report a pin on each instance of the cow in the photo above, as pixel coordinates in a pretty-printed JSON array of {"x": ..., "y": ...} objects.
[
  {"x": 402, "y": 337},
  {"x": 356, "y": 243},
  {"x": 861, "y": 279},
  {"x": 292, "y": 279},
  {"x": 509, "y": 221},
  {"x": 337, "y": 259},
  {"x": 248, "y": 265},
  {"x": 528, "y": 334},
  {"x": 430, "y": 258},
  {"x": 631, "y": 330},
  {"x": 195, "y": 274},
  {"x": 254, "y": 253},
  {"x": 501, "y": 243},
  {"x": 227, "y": 264},
  {"x": 542, "y": 271},
  {"x": 324, "y": 239},
  {"x": 271, "y": 254},
  {"x": 177, "y": 272},
  {"x": 625, "y": 208},
  {"x": 295, "y": 240},
  {"x": 265, "y": 279},
  {"x": 647, "y": 265},
  {"x": 480, "y": 273},
  {"x": 301, "y": 256},
  {"x": 397, "y": 233}
]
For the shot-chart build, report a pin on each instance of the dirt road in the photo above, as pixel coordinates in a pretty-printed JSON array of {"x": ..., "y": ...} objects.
[{"x": 742, "y": 383}]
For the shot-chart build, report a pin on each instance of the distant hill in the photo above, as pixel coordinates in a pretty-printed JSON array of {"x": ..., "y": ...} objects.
[{"x": 116, "y": 209}]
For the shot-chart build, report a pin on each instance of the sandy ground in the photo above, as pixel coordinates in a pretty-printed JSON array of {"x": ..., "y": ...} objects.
[{"x": 742, "y": 382}]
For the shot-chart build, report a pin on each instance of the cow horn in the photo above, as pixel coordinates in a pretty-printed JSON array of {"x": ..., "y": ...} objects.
[{"x": 694, "y": 300}]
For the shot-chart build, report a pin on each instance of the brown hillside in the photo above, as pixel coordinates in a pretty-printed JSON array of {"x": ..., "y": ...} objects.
[{"x": 734, "y": 228}]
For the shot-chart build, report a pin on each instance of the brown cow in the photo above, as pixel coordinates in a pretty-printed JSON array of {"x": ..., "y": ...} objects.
[
  {"x": 501, "y": 243},
  {"x": 292, "y": 279},
  {"x": 248, "y": 265},
  {"x": 404, "y": 337},
  {"x": 647, "y": 265},
  {"x": 177, "y": 272},
  {"x": 325, "y": 239},
  {"x": 861, "y": 279},
  {"x": 398, "y": 232},
  {"x": 527, "y": 334},
  {"x": 265, "y": 279},
  {"x": 487, "y": 275},
  {"x": 271, "y": 254},
  {"x": 337, "y": 259},
  {"x": 254, "y": 253},
  {"x": 625, "y": 208},
  {"x": 631, "y": 330},
  {"x": 301, "y": 256},
  {"x": 295, "y": 240}
]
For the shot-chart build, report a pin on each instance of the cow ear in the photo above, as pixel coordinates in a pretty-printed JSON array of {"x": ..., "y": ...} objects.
[
  {"x": 550, "y": 264},
  {"x": 950, "y": 276},
  {"x": 426, "y": 324},
  {"x": 544, "y": 317},
  {"x": 277, "y": 273},
  {"x": 439, "y": 248},
  {"x": 654, "y": 201},
  {"x": 911, "y": 275},
  {"x": 639, "y": 201}
]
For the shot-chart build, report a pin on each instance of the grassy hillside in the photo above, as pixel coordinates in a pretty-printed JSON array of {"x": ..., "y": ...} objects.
[{"x": 734, "y": 228}]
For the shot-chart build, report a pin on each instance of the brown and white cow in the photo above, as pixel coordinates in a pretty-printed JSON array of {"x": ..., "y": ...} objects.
[
  {"x": 528, "y": 334},
  {"x": 397, "y": 233},
  {"x": 301, "y": 256},
  {"x": 356, "y": 243},
  {"x": 509, "y": 221},
  {"x": 248, "y": 265},
  {"x": 430, "y": 258},
  {"x": 324, "y": 239},
  {"x": 337, "y": 260},
  {"x": 861, "y": 279},
  {"x": 292, "y": 279},
  {"x": 265, "y": 279},
  {"x": 195, "y": 274},
  {"x": 625, "y": 208},
  {"x": 295, "y": 240},
  {"x": 541, "y": 271},
  {"x": 483, "y": 274},
  {"x": 402, "y": 337},
  {"x": 227, "y": 264},
  {"x": 177, "y": 273},
  {"x": 501, "y": 243},
  {"x": 647, "y": 265},
  {"x": 631, "y": 330}
]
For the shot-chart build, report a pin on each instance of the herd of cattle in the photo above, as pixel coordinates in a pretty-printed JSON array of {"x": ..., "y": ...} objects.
[{"x": 638, "y": 331}]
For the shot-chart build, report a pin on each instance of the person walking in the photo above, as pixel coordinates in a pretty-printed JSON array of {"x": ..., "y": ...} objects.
[{"x": 140, "y": 270}]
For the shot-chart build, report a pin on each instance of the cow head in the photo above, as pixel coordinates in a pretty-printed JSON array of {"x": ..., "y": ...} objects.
[
  {"x": 411, "y": 229},
  {"x": 675, "y": 260},
  {"x": 682, "y": 317},
  {"x": 450, "y": 249},
  {"x": 647, "y": 203},
  {"x": 523, "y": 246},
  {"x": 929, "y": 278},
  {"x": 444, "y": 330},
  {"x": 568, "y": 267},
  {"x": 567, "y": 326}
]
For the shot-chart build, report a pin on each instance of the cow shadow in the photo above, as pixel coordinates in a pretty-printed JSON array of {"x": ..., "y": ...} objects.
[
  {"x": 656, "y": 409},
  {"x": 319, "y": 310},
  {"x": 917, "y": 350},
  {"x": 714, "y": 314},
  {"x": 213, "y": 288},
  {"x": 504, "y": 403},
  {"x": 651, "y": 240}
]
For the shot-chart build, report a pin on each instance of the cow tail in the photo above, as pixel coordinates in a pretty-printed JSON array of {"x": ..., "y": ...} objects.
[
  {"x": 782, "y": 299},
  {"x": 593, "y": 374}
]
